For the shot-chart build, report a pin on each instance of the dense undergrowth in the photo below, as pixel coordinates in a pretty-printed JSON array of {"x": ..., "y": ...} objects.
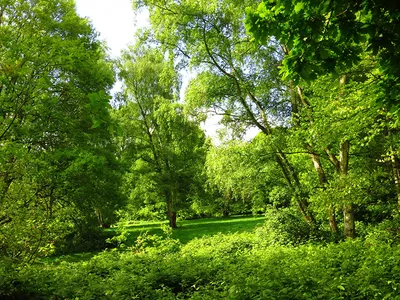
[{"x": 254, "y": 265}]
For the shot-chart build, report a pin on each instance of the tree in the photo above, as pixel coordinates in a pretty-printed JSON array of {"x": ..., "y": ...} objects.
[
  {"x": 246, "y": 173},
  {"x": 236, "y": 78},
  {"x": 163, "y": 150},
  {"x": 54, "y": 112},
  {"x": 329, "y": 36}
]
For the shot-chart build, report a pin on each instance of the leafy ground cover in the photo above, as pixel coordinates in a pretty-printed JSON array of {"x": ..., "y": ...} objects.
[
  {"x": 279, "y": 260},
  {"x": 230, "y": 266}
]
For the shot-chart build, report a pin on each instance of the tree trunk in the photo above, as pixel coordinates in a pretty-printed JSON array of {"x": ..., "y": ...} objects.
[
  {"x": 323, "y": 181},
  {"x": 349, "y": 225},
  {"x": 332, "y": 221},
  {"x": 225, "y": 210},
  {"x": 396, "y": 174},
  {"x": 348, "y": 213},
  {"x": 293, "y": 181},
  {"x": 172, "y": 219},
  {"x": 170, "y": 208},
  {"x": 99, "y": 217}
]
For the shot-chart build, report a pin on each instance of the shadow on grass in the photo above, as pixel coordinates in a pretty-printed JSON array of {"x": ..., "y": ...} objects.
[
  {"x": 187, "y": 230},
  {"x": 190, "y": 229}
]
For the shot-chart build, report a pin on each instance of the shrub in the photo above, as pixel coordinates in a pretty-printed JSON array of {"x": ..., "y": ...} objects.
[
  {"x": 235, "y": 266},
  {"x": 284, "y": 227}
]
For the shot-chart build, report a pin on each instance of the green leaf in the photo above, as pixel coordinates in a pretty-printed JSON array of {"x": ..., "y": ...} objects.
[
  {"x": 96, "y": 124},
  {"x": 299, "y": 6}
]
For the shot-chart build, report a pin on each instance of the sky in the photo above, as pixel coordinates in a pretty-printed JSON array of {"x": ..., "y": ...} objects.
[
  {"x": 114, "y": 20},
  {"x": 116, "y": 23}
]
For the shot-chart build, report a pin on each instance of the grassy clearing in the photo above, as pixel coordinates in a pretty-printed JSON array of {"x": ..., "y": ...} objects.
[{"x": 189, "y": 229}]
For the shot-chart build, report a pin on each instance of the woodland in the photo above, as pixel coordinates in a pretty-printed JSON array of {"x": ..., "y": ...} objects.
[{"x": 80, "y": 168}]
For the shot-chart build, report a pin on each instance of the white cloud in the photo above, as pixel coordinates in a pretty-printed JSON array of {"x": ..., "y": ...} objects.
[{"x": 115, "y": 20}]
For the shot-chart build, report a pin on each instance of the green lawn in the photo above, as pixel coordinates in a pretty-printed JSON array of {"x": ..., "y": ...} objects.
[
  {"x": 190, "y": 229},
  {"x": 186, "y": 231}
]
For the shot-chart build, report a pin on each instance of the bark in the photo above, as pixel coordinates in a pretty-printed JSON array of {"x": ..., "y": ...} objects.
[
  {"x": 333, "y": 159},
  {"x": 396, "y": 175},
  {"x": 99, "y": 217},
  {"x": 172, "y": 219},
  {"x": 344, "y": 157},
  {"x": 349, "y": 224},
  {"x": 171, "y": 210},
  {"x": 332, "y": 221},
  {"x": 323, "y": 181},
  {"x": 348, "y": 212},
  {"x": 318, "y": 167}
]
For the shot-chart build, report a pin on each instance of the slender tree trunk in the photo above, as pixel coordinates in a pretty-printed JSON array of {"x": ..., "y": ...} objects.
[
  {"x": 332, "y": 221},
  {"x": 396, "y": 174},
  {"x": 348, "y": 212},
  {"x": 323, "y": 181},
  {"x": 171, "y": 211},
  {"x": 293, "y": 181},
  {"x": 172, "y": 219},
  {"x": 349, "y": 224},
  {"x": 99, "y": 217}
]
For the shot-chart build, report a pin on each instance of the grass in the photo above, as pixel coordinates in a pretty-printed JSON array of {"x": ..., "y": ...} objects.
[
  {"x": 187, "y": 230},
  {"x": 190, "y": 229}
]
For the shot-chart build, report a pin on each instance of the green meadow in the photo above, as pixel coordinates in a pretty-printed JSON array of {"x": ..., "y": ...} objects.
[{"x": 187, "y": 230}]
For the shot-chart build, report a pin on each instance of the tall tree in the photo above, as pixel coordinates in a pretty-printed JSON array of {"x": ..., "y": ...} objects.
[
  {"x": 236, "y": 78},
  {"x": 54, "y": 80},
  {"x": 164, "y": 150},
  {"x": 329, "y": 38}
]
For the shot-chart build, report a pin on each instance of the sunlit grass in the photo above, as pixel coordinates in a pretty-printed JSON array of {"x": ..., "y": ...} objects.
[
  {"x": 190, "y": 229},
  {"x": 187, "y": 230}
]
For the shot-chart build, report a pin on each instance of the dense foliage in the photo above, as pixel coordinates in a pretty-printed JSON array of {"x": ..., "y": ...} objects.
[
  {"x": 237, "y": 266},
  {"x": 162, "y": 149},
  {"x": 318, "y": 80},
  {"x": 57, "y": 162}
]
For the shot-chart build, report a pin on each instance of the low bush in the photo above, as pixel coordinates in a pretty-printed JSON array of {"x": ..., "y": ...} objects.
[
  {"x": 235, "y": 266},
  {"x": 285, "y": 226}
]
